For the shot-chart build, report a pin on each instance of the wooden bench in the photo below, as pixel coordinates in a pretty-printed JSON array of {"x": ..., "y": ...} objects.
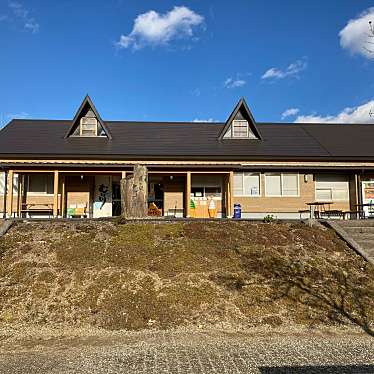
[
  {"x": 332, "y": 213},
  {"x": 37, "y": 209},
  {"x": 356, "y": 214}
]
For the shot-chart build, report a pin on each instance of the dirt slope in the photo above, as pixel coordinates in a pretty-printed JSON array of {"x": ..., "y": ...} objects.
[{"x": 136, "y": 276}]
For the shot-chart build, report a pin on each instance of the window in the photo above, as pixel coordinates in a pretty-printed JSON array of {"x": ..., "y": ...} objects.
[
  {"x": 282, "y": 184},
  {"x": 290, "y": 184},
  {"x": 88, "y": 126},
  {"x": 246, "y": 184},
  {"x": 330, "y": 187},
  {"x": 240, "y": 129},
  {"x": 40, "y": 184}
]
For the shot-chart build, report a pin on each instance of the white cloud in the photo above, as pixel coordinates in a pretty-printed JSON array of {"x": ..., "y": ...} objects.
[
  {"x": 292, "y": 70},
  {"x": 234, "y": 83},
  {"x": 290, "y": 112},
  {"x": 204, "y": 120},
  {"x": 21, "y": 115},
  {"x": 152, "y": 28},
  {"x": 361, "y": 114},
  {"x": 20, "y": 12},
  {"x": 355, "y": 36}
]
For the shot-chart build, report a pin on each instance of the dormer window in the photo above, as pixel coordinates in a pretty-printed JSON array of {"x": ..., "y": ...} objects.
[
  {"x": 240, "y": 129},
  {"x": 88, "y": 126},
  {"x": 87, "y": 123},
  {"x": 240, "y": 125}
]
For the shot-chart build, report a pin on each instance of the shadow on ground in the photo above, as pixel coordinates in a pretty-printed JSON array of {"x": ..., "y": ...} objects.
[
  {"x": 325, "y": 290},
  {"x": 349, "y": 369}
]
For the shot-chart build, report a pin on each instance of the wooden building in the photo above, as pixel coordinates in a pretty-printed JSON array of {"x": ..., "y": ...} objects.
[{"x": 70, "y": 168}]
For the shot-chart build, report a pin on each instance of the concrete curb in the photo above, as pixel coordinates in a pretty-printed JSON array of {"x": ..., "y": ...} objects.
[
  {"x": 7, "y": 224},
  {"x": 351, "y": 242}
]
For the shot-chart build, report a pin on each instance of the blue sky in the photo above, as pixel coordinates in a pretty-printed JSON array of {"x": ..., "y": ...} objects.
[{"x": 189, "y": 60}]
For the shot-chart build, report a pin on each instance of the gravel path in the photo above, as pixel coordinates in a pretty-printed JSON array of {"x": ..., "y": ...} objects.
[{"x": 194, "y": 352}]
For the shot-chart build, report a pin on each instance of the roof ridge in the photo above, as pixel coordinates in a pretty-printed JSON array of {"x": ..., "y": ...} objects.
[{"x": 165, "y": 122}]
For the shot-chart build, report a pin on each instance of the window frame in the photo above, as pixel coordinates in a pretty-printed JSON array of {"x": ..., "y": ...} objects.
[
  {"x": 82, "y": 124},
  {"x": 239, "y": 121},
  {"x": 242, "y": 174},
  {"x": 281, "y": 185},
  {"x": 331, "y": 189}
]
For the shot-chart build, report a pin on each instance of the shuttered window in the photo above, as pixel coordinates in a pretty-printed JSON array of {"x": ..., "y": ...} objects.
[
  {"x": 240, "y": 129},
  {"x": 332, "y": 187},
  {"x": 88, "y": 126}
]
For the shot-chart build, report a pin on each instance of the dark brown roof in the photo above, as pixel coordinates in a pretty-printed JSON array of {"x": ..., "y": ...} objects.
[{"x": 186, "y": 140}]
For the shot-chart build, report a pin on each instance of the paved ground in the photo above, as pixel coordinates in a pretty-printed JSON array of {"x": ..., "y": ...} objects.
[{"x": 209, "y": 352}]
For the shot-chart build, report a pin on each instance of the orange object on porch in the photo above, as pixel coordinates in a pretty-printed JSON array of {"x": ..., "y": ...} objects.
[{"x": 212, "y": 210}]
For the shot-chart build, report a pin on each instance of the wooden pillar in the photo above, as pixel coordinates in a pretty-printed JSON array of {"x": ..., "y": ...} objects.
[
  {"x": 188, "y": 195},
  {"x": 10, "y": 192},
  {"x": 19, "y": 195},
  {"x": 63, "y": 189},
  {"x": 55, "y": 194},
  {"x": 25, "y": 186},
  {"x": 230, "y": 190},
  {"x": 5, "y": 194}
]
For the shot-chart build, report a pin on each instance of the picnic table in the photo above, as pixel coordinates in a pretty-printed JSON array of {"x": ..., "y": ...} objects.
[{"x": 316, "y": 208}]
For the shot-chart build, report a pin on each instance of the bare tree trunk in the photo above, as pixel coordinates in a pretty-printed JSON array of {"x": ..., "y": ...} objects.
[{"x": 134, "y": 193}]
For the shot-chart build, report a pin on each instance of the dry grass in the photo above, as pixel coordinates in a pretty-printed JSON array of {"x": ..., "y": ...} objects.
[{"x": 135, "y": 276}]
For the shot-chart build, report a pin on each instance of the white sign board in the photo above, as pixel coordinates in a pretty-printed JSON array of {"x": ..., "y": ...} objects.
[{"x": 102, "y": 206}]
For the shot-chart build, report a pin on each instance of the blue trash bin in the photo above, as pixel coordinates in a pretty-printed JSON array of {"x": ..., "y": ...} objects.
[{"x": 237, "y": 211}]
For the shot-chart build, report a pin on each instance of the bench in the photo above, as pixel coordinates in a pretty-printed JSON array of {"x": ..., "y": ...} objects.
[
  {"x": 37, "y": 209},
  {"x": 333, "y": 213},
  {"x": 356, "y": 214}
]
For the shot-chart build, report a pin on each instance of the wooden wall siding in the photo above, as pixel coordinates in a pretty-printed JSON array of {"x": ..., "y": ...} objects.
[
  {"x": 264, "y": 204},
  {"x": 173, "y": 194},
  {"x": 79, "y": 191}
]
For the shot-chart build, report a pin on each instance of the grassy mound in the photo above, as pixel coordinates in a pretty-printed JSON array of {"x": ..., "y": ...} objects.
[{"x": 135, "y": 276}]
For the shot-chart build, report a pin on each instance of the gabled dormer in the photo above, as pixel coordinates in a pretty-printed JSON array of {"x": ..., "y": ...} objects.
[
  {"x": 240, "y": 124},
  {"x": 87, "y": 122}
]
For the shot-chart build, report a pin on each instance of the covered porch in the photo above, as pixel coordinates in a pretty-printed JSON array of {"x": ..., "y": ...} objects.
[
  {"x": 69, "y": 193},
  {"x": 191, "y": 194},
  {"x": 61, "y": 193}
]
